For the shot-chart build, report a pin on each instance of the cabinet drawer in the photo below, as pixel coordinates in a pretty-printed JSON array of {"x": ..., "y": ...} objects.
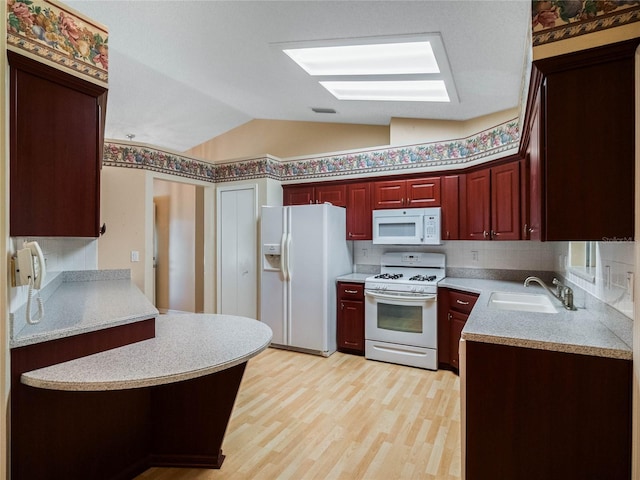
[
  {"x": 351, "y": 290},
  {"x": 461, "y": 301}
]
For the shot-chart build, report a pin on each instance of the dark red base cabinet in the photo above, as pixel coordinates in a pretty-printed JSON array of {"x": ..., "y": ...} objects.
[
  {"x": 115, "y": 434},
  {"x": 454, "y": 307},
  {"x": 536, "y": 414},
  {"x": 351, "y": 318}
]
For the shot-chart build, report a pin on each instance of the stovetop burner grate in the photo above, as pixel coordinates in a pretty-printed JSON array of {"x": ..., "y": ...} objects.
[
  {"x": 389, "y": 276},
  {"x": 423, "y": 278}
]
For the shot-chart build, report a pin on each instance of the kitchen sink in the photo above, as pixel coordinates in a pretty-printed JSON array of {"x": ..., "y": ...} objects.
[{"x": 523, "y": 302}]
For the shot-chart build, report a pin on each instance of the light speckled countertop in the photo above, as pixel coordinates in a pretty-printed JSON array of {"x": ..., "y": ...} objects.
[
  {"x": 594, "y": 329},
  {"x": 81, "y": 302},
  {"x": 186, "y": 346},
  {"x": 354, "y": 277}
]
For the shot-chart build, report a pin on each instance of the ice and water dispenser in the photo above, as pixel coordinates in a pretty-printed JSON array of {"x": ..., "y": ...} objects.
[{"x": 271, "y": 257}]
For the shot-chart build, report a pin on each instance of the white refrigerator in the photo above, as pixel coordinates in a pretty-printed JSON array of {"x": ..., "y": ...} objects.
[{"x": 304, "y": 249}]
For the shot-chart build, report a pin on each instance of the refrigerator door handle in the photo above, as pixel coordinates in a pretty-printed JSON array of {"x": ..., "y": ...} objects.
[
  {"x": 284, "y": 268},
  {"x": 288, "y": 252}
]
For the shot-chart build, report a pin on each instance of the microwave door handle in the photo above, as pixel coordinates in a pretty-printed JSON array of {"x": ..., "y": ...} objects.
[{"x": 421, "y": 227}]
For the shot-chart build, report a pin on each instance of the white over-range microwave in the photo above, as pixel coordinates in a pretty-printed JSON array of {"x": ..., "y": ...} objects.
[{"x": 407, "y": 226}]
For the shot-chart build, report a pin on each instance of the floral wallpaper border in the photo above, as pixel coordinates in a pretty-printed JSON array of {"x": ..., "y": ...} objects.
[
  {"x": 132, "y": 156},
  {"x": 49, "y": 30},
  {"x": 501, "y": 139},
  {"x": 556, "y": 20}
]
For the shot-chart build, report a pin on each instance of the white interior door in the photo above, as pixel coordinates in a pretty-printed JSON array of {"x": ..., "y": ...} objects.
[{"x": 237, "y": 251}]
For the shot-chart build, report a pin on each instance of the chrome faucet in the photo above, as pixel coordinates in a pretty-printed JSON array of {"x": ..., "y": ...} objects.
[{"x": 562, "y": 293}]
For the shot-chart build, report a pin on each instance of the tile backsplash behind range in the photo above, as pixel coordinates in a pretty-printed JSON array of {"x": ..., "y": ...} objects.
[{"x": 471, "y": 254}]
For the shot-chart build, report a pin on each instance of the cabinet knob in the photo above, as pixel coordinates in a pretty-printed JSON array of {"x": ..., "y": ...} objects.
[
  {"x": 485, "y": 234},
  {"x": 350, "y": 234},
  {"x": 461, "y": 302},
  {"x": 449, "y": 317},
  {"x": 494, "y": 234},
  {"x": 103, "y": 229}
]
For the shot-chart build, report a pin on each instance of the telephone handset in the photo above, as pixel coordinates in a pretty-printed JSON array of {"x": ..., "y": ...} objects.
[
  {"x": 31, "y": 270},
  {"x": 31, "y": 267}
]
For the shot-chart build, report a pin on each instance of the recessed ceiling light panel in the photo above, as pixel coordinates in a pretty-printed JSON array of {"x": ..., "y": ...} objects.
[
  {"x": 399, "y": 91},
  {"x": 407, "y": 68},
  {"x": 377, "y": 59}
]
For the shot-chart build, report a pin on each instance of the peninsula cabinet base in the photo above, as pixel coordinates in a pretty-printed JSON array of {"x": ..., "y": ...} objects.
[
  {"x": 537, "y": 414},
  {"x": 118, "y": 434}
]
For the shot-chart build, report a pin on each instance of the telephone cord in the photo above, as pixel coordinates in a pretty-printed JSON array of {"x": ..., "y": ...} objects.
[{"x": 40, "y": 306}]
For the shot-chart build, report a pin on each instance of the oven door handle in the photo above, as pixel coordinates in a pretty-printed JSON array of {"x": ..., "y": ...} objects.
[{"x": 416, "y": 297}]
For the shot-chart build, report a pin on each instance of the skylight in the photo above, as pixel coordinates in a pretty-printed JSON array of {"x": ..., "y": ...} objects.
[
  {"x": 401, "y": 91},
  {"x": 405, "y": 69},
  {"x": 377, "y": 59}
]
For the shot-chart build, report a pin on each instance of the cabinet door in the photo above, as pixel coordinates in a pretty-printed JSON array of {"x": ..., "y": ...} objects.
[
  {"x": 359, "y": 217},
  {"x": 334, "y": 194},
  {"x": 456, "y": 324},
  {"x": 297, "y": 195},
  {"x": 389, "y": 194},
  {"x": 533, "y": 226},
  {"x": 589, "y": 144},
  {"x": 351, "y": 326},
  {"x": 450, "y": 207},
  {"x": 423, "y": 192},
  {"x": 476, "y": 220},
  {"x": 55, "y": 152},
  {"x": 505, "y": 202},
  {"x": 555, "y": 404}
]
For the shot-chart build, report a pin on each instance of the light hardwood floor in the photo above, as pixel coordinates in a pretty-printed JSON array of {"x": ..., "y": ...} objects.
[{"x": 298, "y": 416}]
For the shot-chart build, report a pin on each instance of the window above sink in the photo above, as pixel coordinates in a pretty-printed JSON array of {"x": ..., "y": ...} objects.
[{"x": 582, "y": 260}]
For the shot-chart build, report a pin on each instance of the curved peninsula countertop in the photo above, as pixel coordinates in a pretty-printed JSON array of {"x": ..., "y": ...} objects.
[
  {"x": 186, "y": 346},
  {"x": 595, "y": 328}
]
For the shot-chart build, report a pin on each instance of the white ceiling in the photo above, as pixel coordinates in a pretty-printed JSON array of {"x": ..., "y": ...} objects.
[{"x": 182, "y": 72}]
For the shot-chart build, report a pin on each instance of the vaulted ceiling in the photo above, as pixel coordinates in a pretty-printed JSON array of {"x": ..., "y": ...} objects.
[{"x": 182, "y": 72}]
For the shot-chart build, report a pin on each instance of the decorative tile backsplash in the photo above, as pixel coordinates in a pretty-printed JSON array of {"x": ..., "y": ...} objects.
[
  {"x": 49, "y": 30},
  {"x": 497, "y": 141}
]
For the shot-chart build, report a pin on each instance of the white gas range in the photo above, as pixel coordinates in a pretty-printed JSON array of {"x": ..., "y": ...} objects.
[{"x": 401, "y": 314}]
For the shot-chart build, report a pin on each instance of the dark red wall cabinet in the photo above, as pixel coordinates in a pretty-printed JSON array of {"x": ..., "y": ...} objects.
[
  {"x": 580, "y": 138},
  {"x": 490, "y": 201},
  {"x": 56, "y": 142}
]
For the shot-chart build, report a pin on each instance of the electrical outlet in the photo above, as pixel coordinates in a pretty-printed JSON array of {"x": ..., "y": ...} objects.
[
  {"x": 365, "y": 253},
  {"x": 135, "y": 256},
  {"x": 474, "y": 255}
]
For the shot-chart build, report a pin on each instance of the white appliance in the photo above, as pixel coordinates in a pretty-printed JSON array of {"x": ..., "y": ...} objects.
[
  {"x": 401, "y": 309},
  {"x": 407, "y": 226},
  {"x": 304, "y": 249}
]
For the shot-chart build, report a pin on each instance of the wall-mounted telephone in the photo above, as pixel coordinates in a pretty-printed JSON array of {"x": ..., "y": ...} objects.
[
  {"x": 30, "y": 265},
  {"x": 31, "y": 270}
]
